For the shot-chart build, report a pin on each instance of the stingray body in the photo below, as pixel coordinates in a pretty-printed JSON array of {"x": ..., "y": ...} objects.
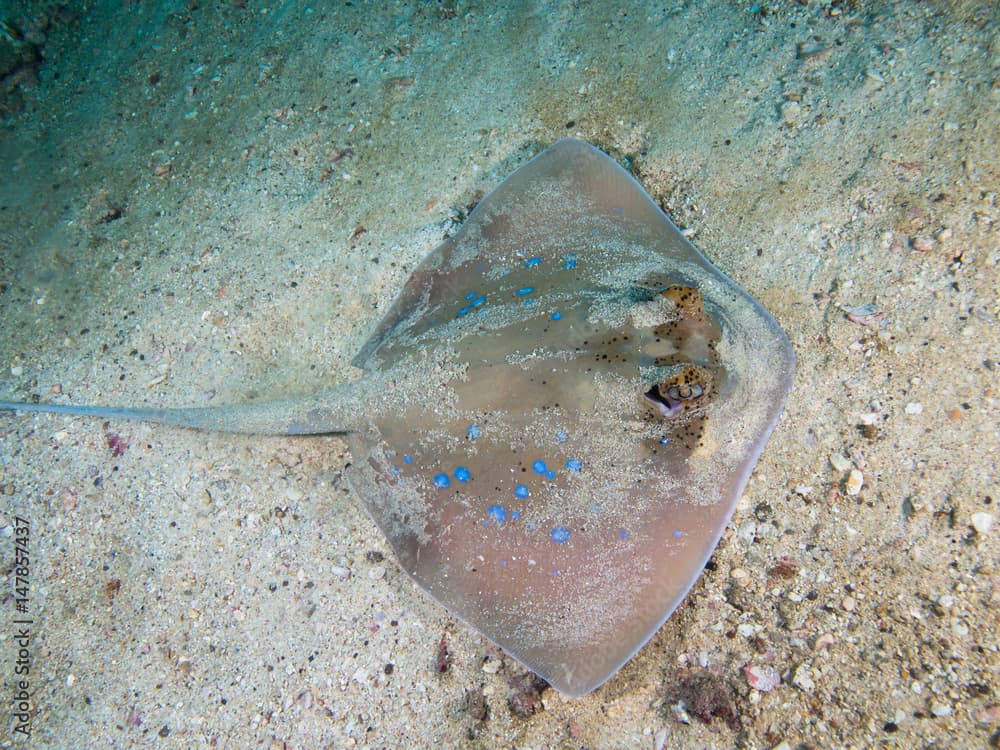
[{"x": 558, "y": 416}]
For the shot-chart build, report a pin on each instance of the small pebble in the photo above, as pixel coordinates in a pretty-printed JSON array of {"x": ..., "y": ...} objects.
[
  {"x": 914, "y": 407},
  {"x": 492, "y": 666},
  {"x": 916, "y": 503},
  {"x": 982, "y": 522},
  {"x": 839, "y": 462},
  {"x": 377, "y": 572},
  {"x": 849, "y": 603},
  {"x": 802, "y": 678},
  {"x": 940, "y": 709},
  {"x": 825, "y": 641},
  {"x": 762, "y": 678},
  {"x": 680, "y": 713},
  {"x": 854, "y": 482},
  {"x": 791, "y": 112},
  {"x": 69, "y": 500},
  {"x": 988, "y": 714}
]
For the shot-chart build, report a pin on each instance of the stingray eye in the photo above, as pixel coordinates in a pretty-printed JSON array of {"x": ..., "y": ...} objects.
[
  {"x": 660, "y": 402},
  {"x": 687, "y": 300},
  {"x": 683, "y": 393}
]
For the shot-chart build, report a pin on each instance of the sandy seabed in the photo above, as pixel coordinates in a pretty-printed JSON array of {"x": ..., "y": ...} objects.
[{"x": 205, "y": 202}]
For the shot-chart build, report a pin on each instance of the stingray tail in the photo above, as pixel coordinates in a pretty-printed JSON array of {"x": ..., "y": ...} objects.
[{"x": 324, "y": 413}]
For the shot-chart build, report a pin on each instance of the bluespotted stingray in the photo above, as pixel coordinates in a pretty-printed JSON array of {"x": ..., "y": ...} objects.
[{"x": 557, "y": 417}]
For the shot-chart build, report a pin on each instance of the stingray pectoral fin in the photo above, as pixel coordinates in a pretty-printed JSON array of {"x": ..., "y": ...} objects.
[{"x": 333, "y": 411}]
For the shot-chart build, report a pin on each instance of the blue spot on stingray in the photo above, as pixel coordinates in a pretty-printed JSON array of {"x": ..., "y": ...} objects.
[
  {"x": 470, "y": 295},
  {"x": 678, "y": 533},
  {"x": 522, "y": 491},
  {"x": 562, "y": 436},
  {"x": 664, "y": 440},
  {"x": 557, "y": 316},
  {"x": 532, "y": 262},
  {"x": 503, "y": 563},
  {"x": 574, "y": 464},
  {"x": 462, "y": 312},
  {"x": 569, "y": 262},
  {"x": 550, "y": 474},
  {"x": 524, "y": 291},
  {"x": 462, "y": 474},
  {"x": 528, "y": 302},
  {"x": 441, "y": 480},
  {"x": 515, "y": 515},
  {"x": 559, "y": 535},
  {"x": 497, "y": 513},
  {"x": 473, "y": 432},
  {"x": 555, "y": 573},
  {"x": 623, "y": 534},
  {"x": 407, "y": 459},
  {"x": 539, "y": 466},
  {"x": 478, "y": 301},
  {"x": 618, "y": 210}
]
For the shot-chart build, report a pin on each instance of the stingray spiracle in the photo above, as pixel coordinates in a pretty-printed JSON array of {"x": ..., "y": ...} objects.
[{"x": 682, "y": 394}]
